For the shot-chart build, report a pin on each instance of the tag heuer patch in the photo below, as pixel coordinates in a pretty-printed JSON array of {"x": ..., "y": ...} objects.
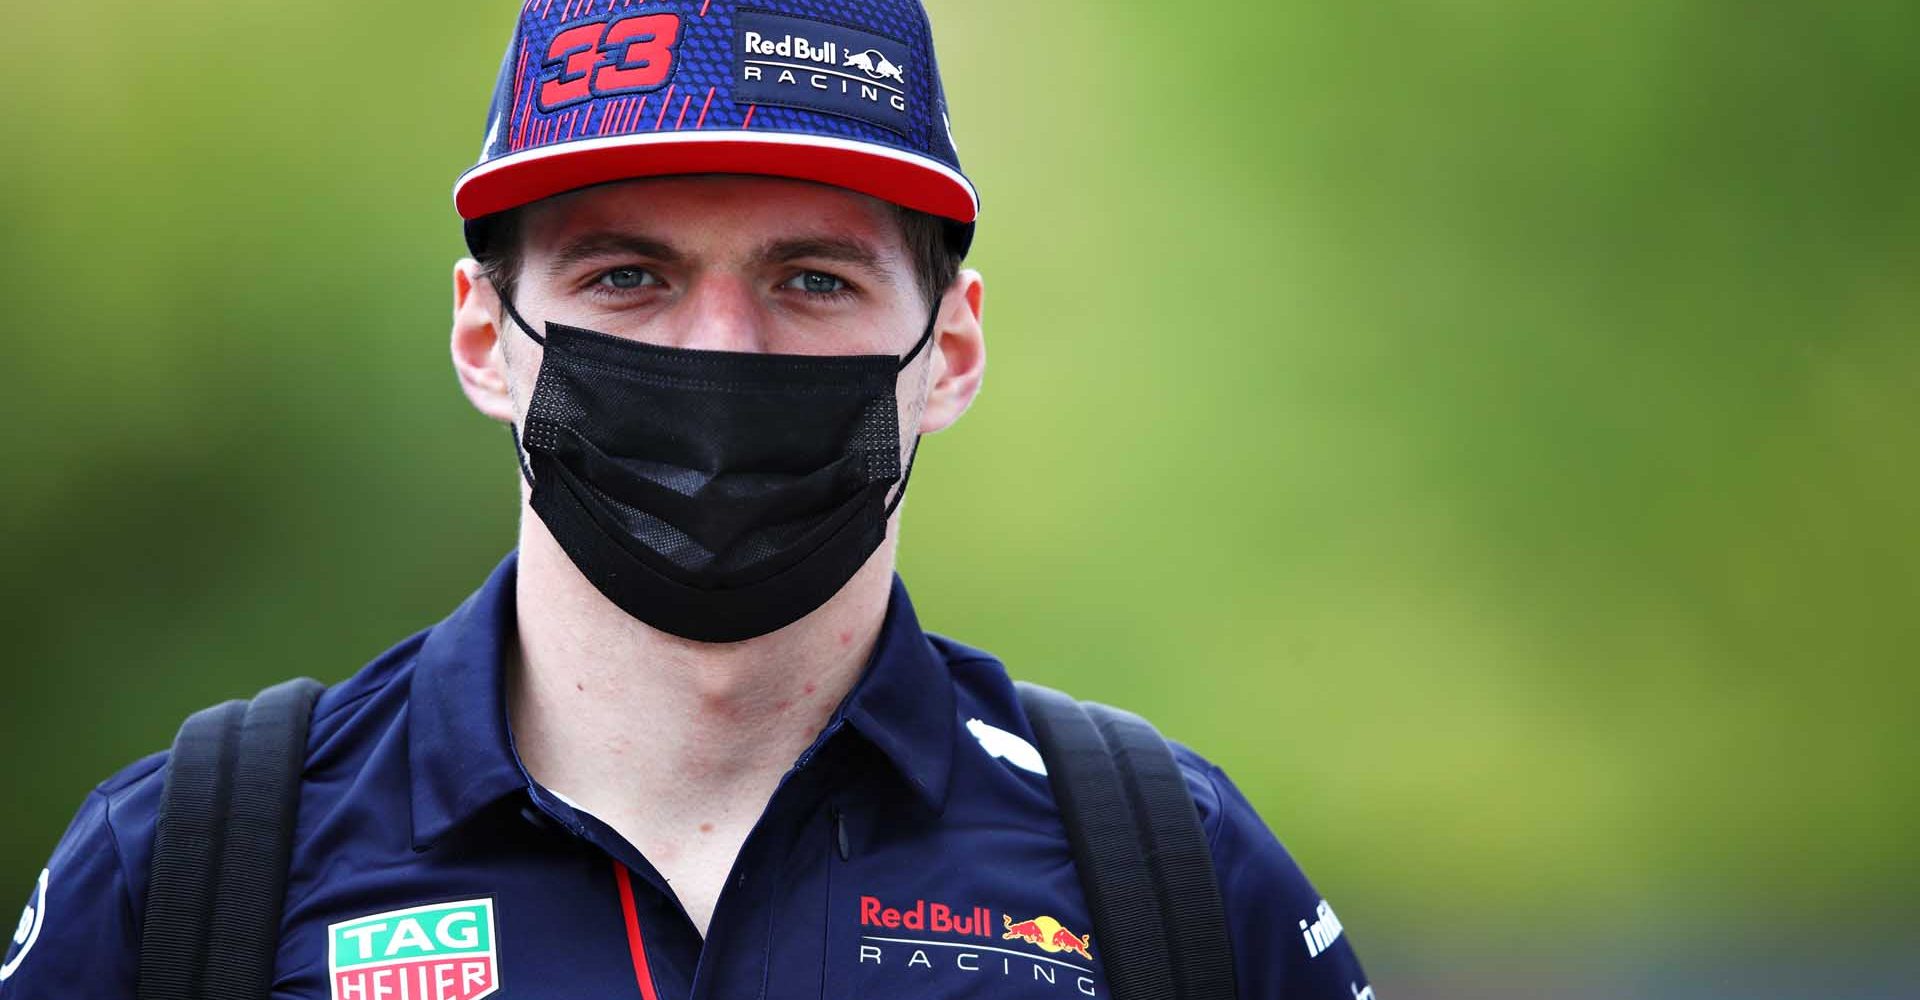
[{"x": 441, "y": 951}]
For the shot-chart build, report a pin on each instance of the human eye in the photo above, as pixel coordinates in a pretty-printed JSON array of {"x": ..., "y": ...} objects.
[
  {"x": 616, "y": 281},
  {"x": 817, "y": 283}
]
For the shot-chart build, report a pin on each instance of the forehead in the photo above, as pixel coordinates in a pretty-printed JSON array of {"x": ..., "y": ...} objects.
[{"x": 712, "y": 210}]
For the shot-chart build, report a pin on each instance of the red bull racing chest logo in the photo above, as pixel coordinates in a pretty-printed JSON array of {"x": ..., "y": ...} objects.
[{"x": 934, "y": 938}]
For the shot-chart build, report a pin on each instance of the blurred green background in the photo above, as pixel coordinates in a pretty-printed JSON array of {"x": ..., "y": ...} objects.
[{"x": 1486, "y": 429}]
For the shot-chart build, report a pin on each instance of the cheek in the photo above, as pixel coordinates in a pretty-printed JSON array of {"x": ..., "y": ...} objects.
[
  {"x": 522, "y": 364},
  {"x": 915, "y": 406}
]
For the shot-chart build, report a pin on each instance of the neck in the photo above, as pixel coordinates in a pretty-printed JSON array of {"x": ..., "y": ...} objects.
[{"x": 644, "y": 728}]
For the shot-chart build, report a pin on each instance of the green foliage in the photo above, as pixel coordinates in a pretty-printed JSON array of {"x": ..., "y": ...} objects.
[{"x": 1486, "y": 429}]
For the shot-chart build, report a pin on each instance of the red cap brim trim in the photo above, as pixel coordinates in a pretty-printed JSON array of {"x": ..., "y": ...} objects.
[{"x": 902, "y": 178}]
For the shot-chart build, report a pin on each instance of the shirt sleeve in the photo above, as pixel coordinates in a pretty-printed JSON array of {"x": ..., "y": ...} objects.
[
  {"x": 76, "y": 939},
  {"x": 1288, "y": 944}
]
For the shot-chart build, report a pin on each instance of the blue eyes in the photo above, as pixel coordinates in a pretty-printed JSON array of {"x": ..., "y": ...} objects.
[
  {"x": 816, "y": 283},
  {"x": 628, "y": 279}
]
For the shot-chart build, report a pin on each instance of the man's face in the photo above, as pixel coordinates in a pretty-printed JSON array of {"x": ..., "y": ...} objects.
[{"x": 728, "y": 263}]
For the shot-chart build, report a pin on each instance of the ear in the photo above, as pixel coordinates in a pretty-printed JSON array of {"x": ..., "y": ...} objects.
[
  {"x": 477, "y": 352},
  {"x": 959, "y": 353}
]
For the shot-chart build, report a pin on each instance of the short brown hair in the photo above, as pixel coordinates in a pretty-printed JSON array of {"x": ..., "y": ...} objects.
[{"x": 935, "y": 262}]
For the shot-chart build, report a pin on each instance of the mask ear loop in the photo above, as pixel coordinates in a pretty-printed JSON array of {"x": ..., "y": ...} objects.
[
  {"x": 901, "y": 494},
  {"x": 925, "y": 338},
  {"x": 525, "y": 326},
  {"x": 525, "y": 472},
  {"x": 520, "y": 454},
  {"x": 921, "y": 343}
]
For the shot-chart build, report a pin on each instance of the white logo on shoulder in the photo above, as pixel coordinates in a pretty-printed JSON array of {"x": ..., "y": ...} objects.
[
  {"x": 32, "y": 919},
  {"x": 1324, "y": 931},
  {"x": 999, "y": 743}
]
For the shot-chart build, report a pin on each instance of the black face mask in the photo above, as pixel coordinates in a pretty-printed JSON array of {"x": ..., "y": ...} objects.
[{"x": 714, "y": 495}]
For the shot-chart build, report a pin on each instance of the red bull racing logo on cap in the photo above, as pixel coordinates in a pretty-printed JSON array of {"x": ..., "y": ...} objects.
[{"x": 799, "y": 62}]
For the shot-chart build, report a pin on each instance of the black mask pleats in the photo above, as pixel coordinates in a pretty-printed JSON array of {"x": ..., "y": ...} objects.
[{"x": 715, "y": 495}]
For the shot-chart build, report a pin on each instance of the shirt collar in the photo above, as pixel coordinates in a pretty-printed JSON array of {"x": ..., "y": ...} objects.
[
  {"x": 460, "y": 750},
  {"x": 903, "y": 702}
]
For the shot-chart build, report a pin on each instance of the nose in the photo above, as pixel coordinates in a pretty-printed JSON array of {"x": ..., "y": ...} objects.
[{"x": 721, "y": 313}]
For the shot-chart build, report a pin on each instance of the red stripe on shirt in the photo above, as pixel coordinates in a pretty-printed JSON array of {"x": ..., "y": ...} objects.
[{"x": 635, "y": 943}]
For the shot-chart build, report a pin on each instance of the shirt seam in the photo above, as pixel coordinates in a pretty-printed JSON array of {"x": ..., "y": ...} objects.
[
  {"x": 358, "y": 698},
  {"x": 1218, "y": 820},
  {"x": 120, "y": 863},
  {"x": 300, "y": 784}
]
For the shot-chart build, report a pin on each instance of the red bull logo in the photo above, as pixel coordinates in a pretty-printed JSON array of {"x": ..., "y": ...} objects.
[
  {"x": 897, "y": 944},
  {"x": 1048, "y": 935},
  {"x": 875, "y": 64},
  {"x": 823, "y": 66},
  {"x": 924, "y": 916}
]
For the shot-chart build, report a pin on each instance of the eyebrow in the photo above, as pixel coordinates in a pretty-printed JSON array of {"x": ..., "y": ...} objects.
[
  {"x": 843, "y": 249},
  {"x": 595, "y": 245}
]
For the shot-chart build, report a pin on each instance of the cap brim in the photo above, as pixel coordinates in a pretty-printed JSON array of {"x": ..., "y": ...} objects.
[{"x": 900, "y": 177}]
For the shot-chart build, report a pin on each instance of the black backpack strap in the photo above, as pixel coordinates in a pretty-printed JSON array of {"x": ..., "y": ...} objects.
[
  {"x": 1196, "y": 916},
  {"x": 219, "y": 872},
  {"x": 173, "y": 940},
  {"x": 1139, "y": 848}
]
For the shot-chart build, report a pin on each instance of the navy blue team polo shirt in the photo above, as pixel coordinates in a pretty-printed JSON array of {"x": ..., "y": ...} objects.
[{"x": 911, "y": 852}]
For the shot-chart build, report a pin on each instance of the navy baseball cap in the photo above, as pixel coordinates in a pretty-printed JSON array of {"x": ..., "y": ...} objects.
[{"x": 842, "y": 92}]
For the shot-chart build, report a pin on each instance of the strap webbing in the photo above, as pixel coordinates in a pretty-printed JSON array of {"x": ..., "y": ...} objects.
[
  {"x": 1176, "y": 846},
  {"x": 1142, "y": 856},
  {"x": 1128, "y": 926},
  {"x": 218, "y": 876},
  {"x": 252, "y": 877},
  {"x": 173, "y": 941}
]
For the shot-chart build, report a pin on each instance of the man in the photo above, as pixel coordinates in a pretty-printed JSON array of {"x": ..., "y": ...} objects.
[{"x": 689, "y": 740}]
